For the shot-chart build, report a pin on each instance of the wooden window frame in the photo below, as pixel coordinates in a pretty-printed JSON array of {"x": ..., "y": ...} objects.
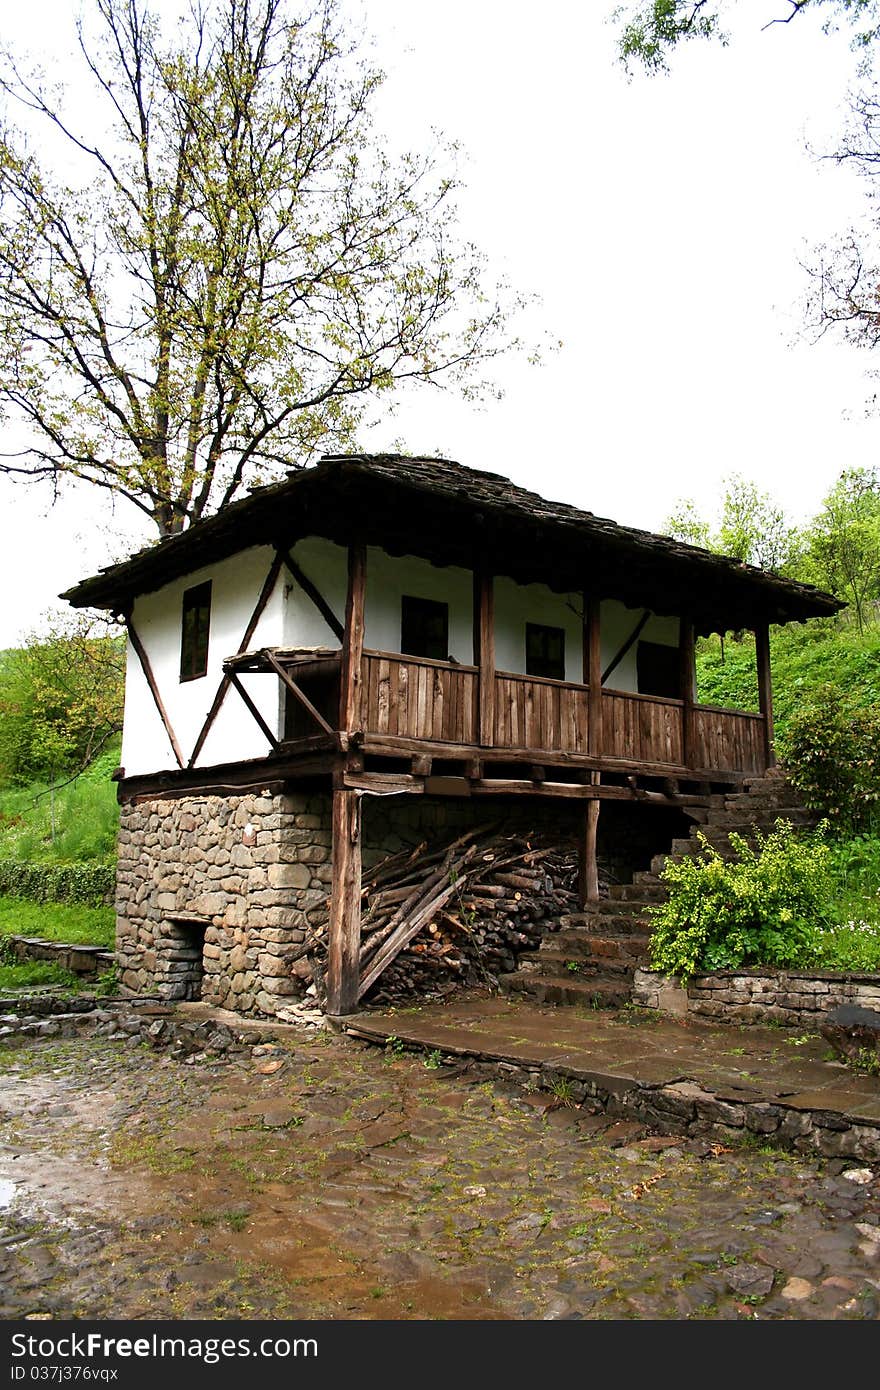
[
  {"x": 672, "y": 656},
  {"x": 410, "y": 604},
  {"x": 543, "y": 631},
  {"x": 195, "y": 631}
]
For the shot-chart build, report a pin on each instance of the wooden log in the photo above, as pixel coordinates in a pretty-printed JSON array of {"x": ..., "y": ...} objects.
[
  {"x": 765, "y": 690},
  {"x": 588, "y": 868},
  {"x": 344, "y": 928},
  {"x": 687, "y": 689}
]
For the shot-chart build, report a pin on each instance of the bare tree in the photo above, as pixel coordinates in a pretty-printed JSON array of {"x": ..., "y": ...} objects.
[{"x": 212, "y": 287}]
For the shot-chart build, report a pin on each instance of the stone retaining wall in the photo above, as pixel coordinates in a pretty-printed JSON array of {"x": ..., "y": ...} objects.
[
  {"x": 790, "y": 997},
  {"x": 86, "y": 961}
]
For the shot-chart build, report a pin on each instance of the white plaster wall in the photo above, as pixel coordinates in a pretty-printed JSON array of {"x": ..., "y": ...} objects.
[
  {"x": 389, "y": 577},
  {"x": 518, "y": 604},
  {"x": 616, "y": 623},
  {"x": 236, "y": 585},
  {"x": 326, "y": 565}
]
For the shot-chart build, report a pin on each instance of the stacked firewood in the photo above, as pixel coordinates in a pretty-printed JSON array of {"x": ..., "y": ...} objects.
[{"x": 459, "y": 914}]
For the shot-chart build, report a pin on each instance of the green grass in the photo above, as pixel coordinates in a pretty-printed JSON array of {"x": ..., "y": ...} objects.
[
  {"x": 36, "y": 972},
  {"x": 76, "y": 822},
  {"x": 69, "y": 922},
  {"x": 801, "y": 656}
]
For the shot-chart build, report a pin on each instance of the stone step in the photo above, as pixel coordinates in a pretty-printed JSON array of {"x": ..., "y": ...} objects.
[
  {"x": 637, "y": 892},
  {"x": 615, "y": 918},
  {"x": 645, "y": 876},
  {"x": 616, "y": 951},
  {"x": 746, "y": 818},
  {"x": 597, "y": 993},
  {"x": 581, "y": 943}
]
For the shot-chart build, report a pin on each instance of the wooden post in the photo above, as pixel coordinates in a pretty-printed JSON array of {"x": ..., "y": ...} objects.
[
  {"x": 687, "y": 687},
  {"x": 350, "y": 715},
  {"x": 588, "y": 863},
  {"x": 593, "y": 674},
  {"x": 765, "y": 688},
  {"x": 484, "y": 655},
  {"x": 344, "y": 930}
]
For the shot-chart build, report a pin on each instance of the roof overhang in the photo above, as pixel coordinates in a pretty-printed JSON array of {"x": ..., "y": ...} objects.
[{"x": 453, "y": 515}]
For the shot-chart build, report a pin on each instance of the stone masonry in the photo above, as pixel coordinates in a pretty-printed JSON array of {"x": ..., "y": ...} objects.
[
  {"x": 793, "y": 998},
  {"x": 215, "y": 895}
]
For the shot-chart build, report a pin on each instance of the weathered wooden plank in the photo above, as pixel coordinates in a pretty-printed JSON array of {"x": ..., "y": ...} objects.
[
  {"x": 351, "y": 714},
  {"x": 344, "y": 928},
  {"x": 484, "y": 653}
]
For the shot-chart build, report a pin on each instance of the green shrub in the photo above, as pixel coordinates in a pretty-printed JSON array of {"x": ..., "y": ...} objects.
[
  {"x": 90, "y": 884},
  {"x": 831, "y": 752},
  {"x": 764, "y": 907},
  {"x": 853, "y": 945}
]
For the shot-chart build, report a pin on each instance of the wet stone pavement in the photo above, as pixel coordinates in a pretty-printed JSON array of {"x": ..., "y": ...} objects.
[{"x": 324, "y": 1177}]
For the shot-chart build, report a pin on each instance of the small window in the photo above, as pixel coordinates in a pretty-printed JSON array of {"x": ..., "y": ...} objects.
[
  {"x": 424, "y": 628},
  {"x": 194, "y": 632},
  {"x": 657, "y": 670},
  {"x": 545, "y": 651}
]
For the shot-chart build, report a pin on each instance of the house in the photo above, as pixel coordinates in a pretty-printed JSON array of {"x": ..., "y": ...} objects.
[{"x": 386, "y": 641}]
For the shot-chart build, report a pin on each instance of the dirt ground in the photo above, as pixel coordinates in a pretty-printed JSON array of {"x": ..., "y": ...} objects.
[{"x": 327, "y": 1178}]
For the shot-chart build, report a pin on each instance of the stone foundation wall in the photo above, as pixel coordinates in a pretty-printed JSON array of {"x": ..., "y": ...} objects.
[
  {"x": 790, "y": 997},
  {"x": 215, "y": 894}
]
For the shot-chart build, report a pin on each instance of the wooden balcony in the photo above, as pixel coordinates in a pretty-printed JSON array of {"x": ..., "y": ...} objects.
[{"x": 408, "y": 703}]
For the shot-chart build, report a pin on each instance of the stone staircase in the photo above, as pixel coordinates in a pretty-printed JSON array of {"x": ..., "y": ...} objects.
[{"x": 590, "y": 958}]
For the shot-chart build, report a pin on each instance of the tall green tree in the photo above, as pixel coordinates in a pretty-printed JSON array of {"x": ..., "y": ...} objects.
[
  {"x": 650, "y": 30},
  {"x": 61, "y": 698},
  {"x": 843, "y": 542},
  {"x": 208, "y": 264},
  {"x": 751, "y": 527}
]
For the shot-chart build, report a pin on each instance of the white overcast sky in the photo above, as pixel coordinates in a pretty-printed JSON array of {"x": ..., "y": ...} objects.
[{"x": 661, "y": 221}]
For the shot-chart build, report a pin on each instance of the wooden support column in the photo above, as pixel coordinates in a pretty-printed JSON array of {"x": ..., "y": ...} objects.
[
  {"x": 592, "y": 664},
  {"x": 687, "y": 672},
  {"x": 484, "y": 655},
  {"x": 765, "y": 688},
  {"x": 350, "y": 713},
  {"x": 588, "y": 862},
  {"x": 344, "y": 929}
]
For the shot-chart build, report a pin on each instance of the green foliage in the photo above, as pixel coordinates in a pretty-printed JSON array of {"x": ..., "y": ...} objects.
[
  {"x": 842, "y": 546},
  {"x": 852, "y": 946},
  {"x": 61, "y": 698},
  {"x": 212, "y": 266},
  {"x": 652, "y": 29},
  {"x": 831, "y": 751},
  {"x": 71, "y": 823},
  {"x": 37, "y": 973},
  {"x": 761, "y": 907},
  {"x": 751, "y": 527},
  {"x": 89, "y": 884},
  {"x": 802, "y": 657},
  {"x": 68, "y": 922}
]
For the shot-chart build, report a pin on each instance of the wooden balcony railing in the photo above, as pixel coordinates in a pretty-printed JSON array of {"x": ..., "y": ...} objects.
[{"x": 411, "y": 698}]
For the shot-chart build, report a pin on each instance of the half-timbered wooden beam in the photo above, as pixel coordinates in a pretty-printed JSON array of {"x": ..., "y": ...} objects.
[
  {"x": 344, "y": 928},
  {"x": 630, "y": 642},
  {"x": 267, "y": 732},
  {"x": 288, "y": 681},
  {"x": 147, "y": 669},
  {"x": 314, "y": 593},
  {"x": 765, "y": 688},
  {"x": 350, "y": 678},
  {"x": 265, "y": 594},
  {"x": 484, "y": 654}
]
